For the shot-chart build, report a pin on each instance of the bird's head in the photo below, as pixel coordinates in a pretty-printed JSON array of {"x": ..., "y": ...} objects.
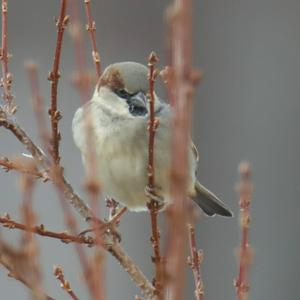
[{"x": 123, "y": 88}]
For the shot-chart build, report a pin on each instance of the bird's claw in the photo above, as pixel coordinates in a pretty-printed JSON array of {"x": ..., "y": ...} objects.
[
  {"x": 153, "y": 196},
  {"x": 151, "y": 193}
]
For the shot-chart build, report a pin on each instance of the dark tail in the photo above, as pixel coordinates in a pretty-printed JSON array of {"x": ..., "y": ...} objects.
[{"x": 210, "y": 203}]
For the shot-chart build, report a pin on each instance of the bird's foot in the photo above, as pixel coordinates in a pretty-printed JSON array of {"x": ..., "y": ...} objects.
[{"x": 155, "y": 199}]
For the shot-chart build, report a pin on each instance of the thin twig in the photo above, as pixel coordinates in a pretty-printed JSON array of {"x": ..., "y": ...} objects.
[
  {"x": 53, "y": 77},
  {"x": 29, "y": 243},
  {"x": 79, "y": 205},
  {"x": 82, "y": 79},
  {"x": 133, "y": 270},
  {"x": 65, "y": 237},
  {"x": 244, "y": 253},
  {"x": 10, "y": 124},
  {"x": 153, "y": 205},
  {"x": 92, "y": 185},
  {"x": 65, "y": 285},
  {"x": 6, "y": 80},
  {"x": 18, "y": 165},
  {"x": 17, "y": 265},
  {"x": 91, "y": 28},
  {"x": 195, "y": 261},
  {"x": 38, "y": 104},
  {"x": 72, "y": 226}
]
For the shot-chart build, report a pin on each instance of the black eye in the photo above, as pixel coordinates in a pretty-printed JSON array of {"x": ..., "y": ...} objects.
[{"x": 122, "y": 94}]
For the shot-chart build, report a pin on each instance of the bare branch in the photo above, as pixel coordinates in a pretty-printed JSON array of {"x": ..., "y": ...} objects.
[
  {"x": 18, "y": 164},
  {"x": 83, "y": 79},
  {"x": 29, "y": 244},
  {"x": 244, "y": 253},
  {"x": 195, "y": 261},
  {"x": 6, "y": 80},
  {"x": 53, "y": 78},
  {"x": 91, "y": 28},
  {"x": 17, "y": 265},
  {"x": 65, "y": 285},
  {"x": 65, "y": 237},
  {"x": 154, "y": 205},
  {"x": 10, "y": 124},
  {"x": 132, "y": 269},
  {"x": 38, "y": 104},
  {"x": 181, "y": 81}
]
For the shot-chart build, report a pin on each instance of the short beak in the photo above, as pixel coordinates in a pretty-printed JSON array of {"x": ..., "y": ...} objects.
[
  {"x": 138, "y": 104},
  {"x": 139, "y": 99}
]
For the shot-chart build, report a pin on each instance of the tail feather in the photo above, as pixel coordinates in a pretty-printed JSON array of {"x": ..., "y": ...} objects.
[{"x": 210, "y": 203}]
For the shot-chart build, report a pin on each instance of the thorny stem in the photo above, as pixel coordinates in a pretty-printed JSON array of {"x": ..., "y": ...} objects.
[
  {"x": 53, "y": 78},
  {"x": 195, "y": 261},
  {"x": 244, "y": 189},
  {"x": 153, "y": 205},
  {"x": 91, "y": 28},
  {"x": 64, "y": 284},
  {"x": 6, "y": 80}
]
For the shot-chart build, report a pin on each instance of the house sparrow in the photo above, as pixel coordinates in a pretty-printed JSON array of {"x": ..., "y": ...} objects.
[{"x": 119, "y": 116}]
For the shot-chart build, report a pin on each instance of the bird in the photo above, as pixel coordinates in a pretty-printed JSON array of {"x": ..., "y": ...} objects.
[{"x": 118, "y": 115}]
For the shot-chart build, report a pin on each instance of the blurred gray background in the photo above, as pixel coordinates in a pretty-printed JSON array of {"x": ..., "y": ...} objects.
[{"x": 246, "y": 108}]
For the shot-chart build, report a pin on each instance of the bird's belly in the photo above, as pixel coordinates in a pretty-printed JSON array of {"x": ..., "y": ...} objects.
[{"x": 123, "y": 176}]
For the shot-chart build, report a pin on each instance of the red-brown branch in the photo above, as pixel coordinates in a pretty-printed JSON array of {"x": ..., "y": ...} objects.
[
  {"x": 6, "y": 80},
  {"x": 38, "y": 104},
  {"x": 91, "y": 28},
  {"x": 195, "y": 261},
  {"x": 244, "y": 253},
  {"x": 18, "y": 266},
  {"x": 64, "y": 284},
  {"x": 53, "y": 78},
  {"x": 83, "y": 79},
  {"x": 18, "y": 165},
  {"x": 72, "y": 226},
  {"x": 91, "y": 183},
  {"x": 7, "y": 222},
  {"x": 114, "y": 249},
  {"x": 153, "y": 122},
  {"x": 182, "y": 84},
  {"x": 153, "y": 205},
  {"x": 29, "y": 244}
]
